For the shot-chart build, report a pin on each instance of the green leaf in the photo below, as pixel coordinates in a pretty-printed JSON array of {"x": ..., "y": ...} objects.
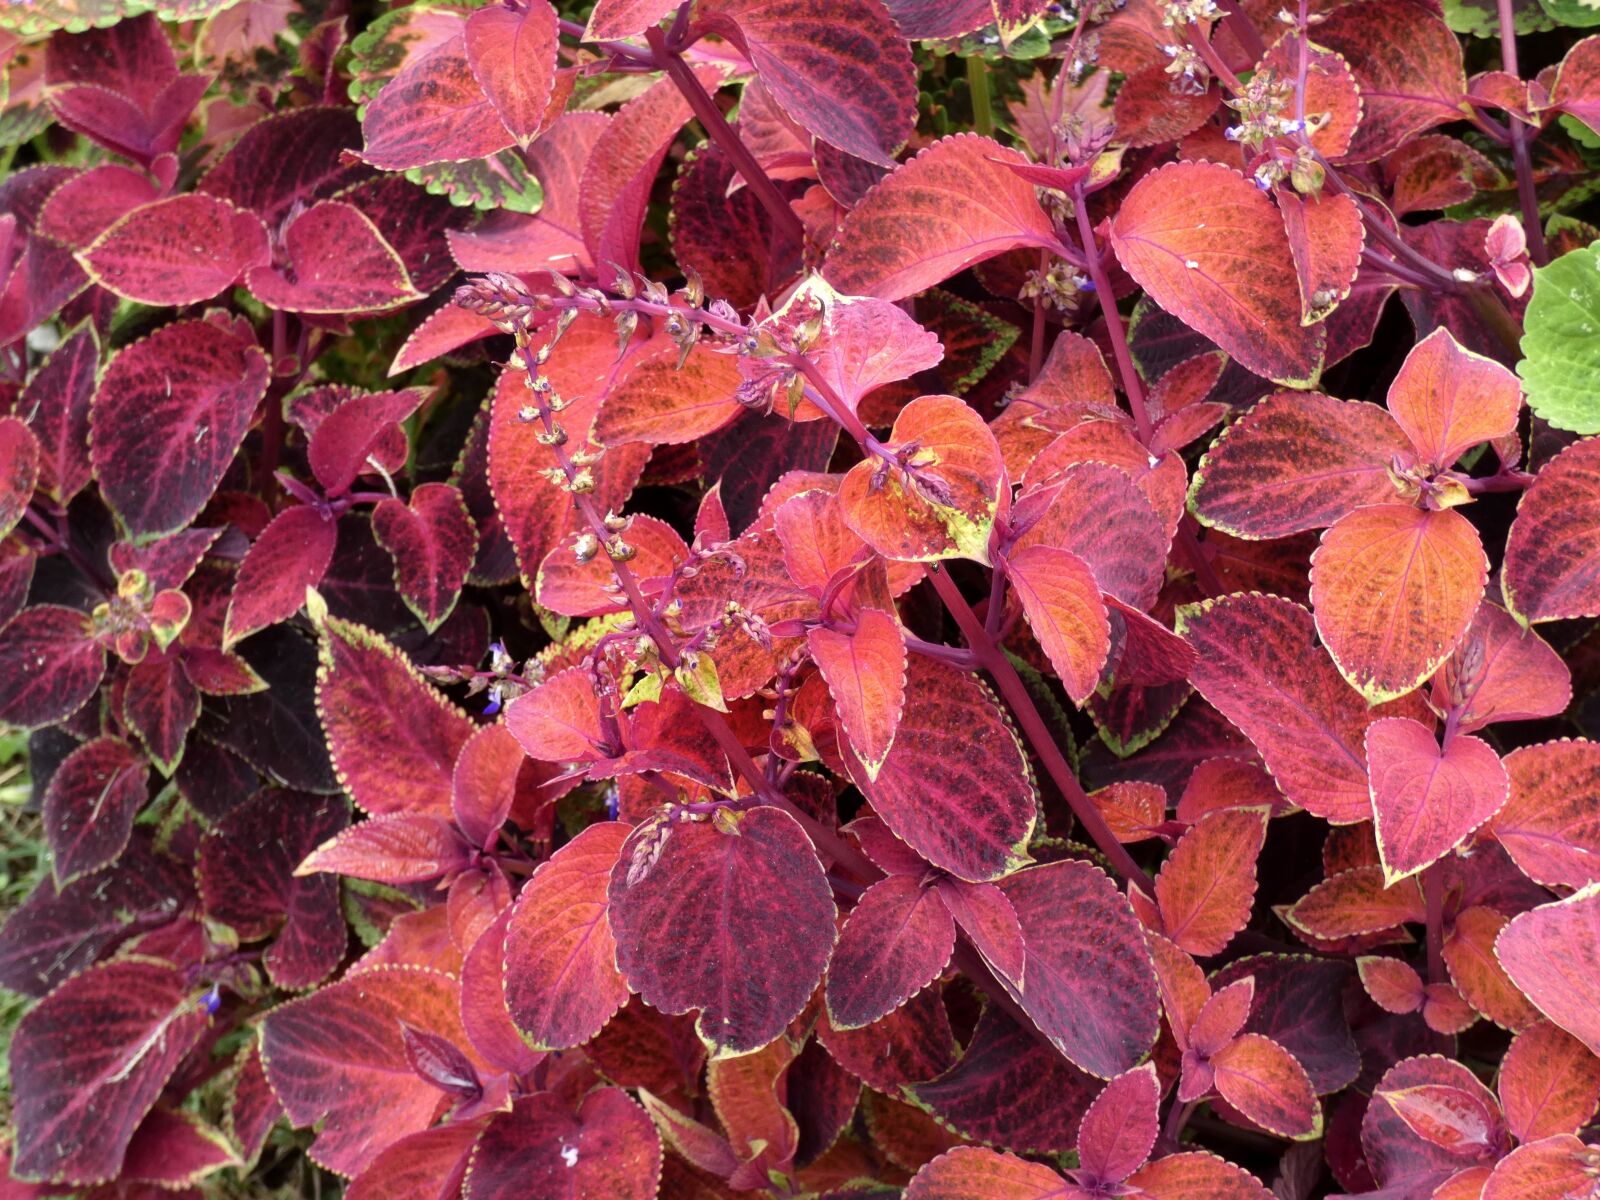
[
  {"x": 499, "y": 181},
  {"x": 1581, "y": 13},
  {"x": 1481, "y": 18},
  {"x": 1561, "y": 370}
]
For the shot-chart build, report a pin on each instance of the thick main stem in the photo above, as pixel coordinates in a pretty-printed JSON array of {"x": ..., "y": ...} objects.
[
  {"x": 726, "y": 138},
  {"x": 1015, "y": 693},
  {"x": 1131, "y": 382},
  {"x": 1527, "y": 195},
  {"x": 1433, "y": 899}
]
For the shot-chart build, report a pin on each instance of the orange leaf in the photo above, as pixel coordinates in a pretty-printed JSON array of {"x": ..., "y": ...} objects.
[
  {"x": 1062, "y": 602},
  {"x": 866, "y": 675},
  {"x": 1394, "y": 588},
  {"x": 659, "y": 403},
  {"x": 1208, "y": 883},
  {"x": 1449, "y": 399},
  {"x": 1268, "y": 1085},
  {"x": 1477, "y": 973}
]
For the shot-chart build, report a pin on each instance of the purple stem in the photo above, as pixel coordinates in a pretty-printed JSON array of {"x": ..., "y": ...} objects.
[
  {"x": 1527, "y": 195},
  {"x": 726, "y": 137}
]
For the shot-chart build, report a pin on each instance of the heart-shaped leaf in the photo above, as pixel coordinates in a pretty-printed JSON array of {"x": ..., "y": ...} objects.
[
  {"x": 177, "y": 251},
  {"x": 90, "y": 805},
  {"x": 1428, "y": 800},
  {"x": 433, "y": 543},
  {"x": 897, "y": 940}
]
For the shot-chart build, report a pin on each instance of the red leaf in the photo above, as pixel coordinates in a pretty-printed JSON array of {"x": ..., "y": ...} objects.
[
  {"x": 1208, "y": 883},
  {"x": 1393, "y": 985},
  {"x": 561, "y": 975},
  {"x": 911, "y": 1044},
  {"x": 1356, "y": 902},
  {"x": 1258, "y": 664},
  {"x": 750, "y": 905},
  {"x": 160, "y": 704},
  {"x": 362, "y": 426},
  {"x": 659, "y": 403},
  {"x": 817, "y": 544},
  {"x": 1217, "y": 784},
  {"x": 1062, "y": 602},
  {"x": 395, "y": 849},
  {"x": 1547, "y": 952},
  {"x": 968, "y": 1172},
  {"x": 87, "y": 205},
  {"x": 1458, "y": 1120},
  {"x": 1196, "y": 1174},
  {"x": 393, "y": 738},
  {"x": 1120, "y": 1128},
  {"x": 177, "y": 251},
  {"x": 1394, "y": 588},
  {"x": 1554, "y": 540},
  {"x": 508, "y": 241},
  {"x": 53, "y": 663},
  {"x": 559, "y": 720},
  {"x": 513, "y": 57},
  {"x": 1005, "y": 1090},
  {"x": 247, "y": 880},
  {"x": 293, "y": 157},
  {"x": 896, "y": 941},
  {"x": 1427, "y": 801},
  {"x": 1095, "y": 512},
  {"x": 90, "y": 805},
  {"x": 1131, "y": 808},
  {"x": 173, "y": 1148},
  {"x": 292, "y": 554},
  {"x": 429, "y": 1165},
  {"x": 1264, "y": 1082},
  {"x": 1088, "y": 982},
  {"x": 1549, "y": 1083},
  {"x": 844, "y": 73},
  {"x": 1407, "y": 62},
  {"x": 57, "y": 401},
  {"x": 983, "y": 913},
  {"x": 1449, "y": 399},
  {"x": 1325, "y": 239},
  {"x": 607, "y": 1150},
  {"x": 624, "y": 18},
  {"x": 432, "y": 111},
  {"x": 89, "y": 1062},
  {"x": 1220, "y": 1018},
  {"x": 535, "y": 511},
  {"x": 866, "y": 675},
  {"x": 866, "y": 343},
  {"x": 19, "y": 471},
  {"x": 1553, "y": 1168},
  {"x": 491, "y": 774},
  {"x": 433, "y": 542},
  {"x": 589, "y": 588},
  {"x": 953, "y": 205},
  {"x": 1549, "y": 825},
  {"x": 337, "y": 1059},
  {"x": 1295, "y": 462},
  {"x": 940, "y": 501},
  {"x": 1501, "y": 672},
  {"x": 622, "y": 167},
  {"x": 168, "y": 416},
  {"x": 334, "y": 261},
  {"x": 955, "y": 786},
  {"x": 1211, "y": 250}
]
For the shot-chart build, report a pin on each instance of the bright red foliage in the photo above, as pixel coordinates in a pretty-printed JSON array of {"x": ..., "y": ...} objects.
[{"x": 833, "y": 598}]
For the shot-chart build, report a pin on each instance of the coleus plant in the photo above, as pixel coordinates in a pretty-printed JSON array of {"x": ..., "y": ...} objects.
[{"x": 685, "y": 599}]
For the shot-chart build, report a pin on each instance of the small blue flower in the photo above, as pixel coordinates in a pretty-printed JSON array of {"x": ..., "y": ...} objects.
[
  {"x": 211, "y": 1001},
  {"x": 491, "y": 708},
  {"x": 1086, "y": 286},
  {"x": 613, "y": 805}
]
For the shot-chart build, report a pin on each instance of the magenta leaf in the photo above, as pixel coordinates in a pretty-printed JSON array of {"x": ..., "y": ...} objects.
[
  {"x": 167, "y": 419},
  {"x": 1088, "y": 984},
  {"x": 19, "y": 471},
  {"x": 291, "y": 554},
  {"x": 333, "y": 260},
  {"x": 1119, "y": 1130},
  {"x": 1547, "y": 952},
  {"x": 53, "y": 662},
  {"x": 1004, "y": 1091},
  {"x": 433, "y": 543},
  {"x": 89, "y": 1061},
  {"x": 746, "y": 907},
  {"x": 288, "y": 158},
  {"x": 177, "y": 251},
  {"x": 434, "y": 110},
  {"x": 90, "y": 805},
  {"x": 897, "y": 940},
  {"x": 247, "y": 881},
  {"x": 57, "y": 399}
]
